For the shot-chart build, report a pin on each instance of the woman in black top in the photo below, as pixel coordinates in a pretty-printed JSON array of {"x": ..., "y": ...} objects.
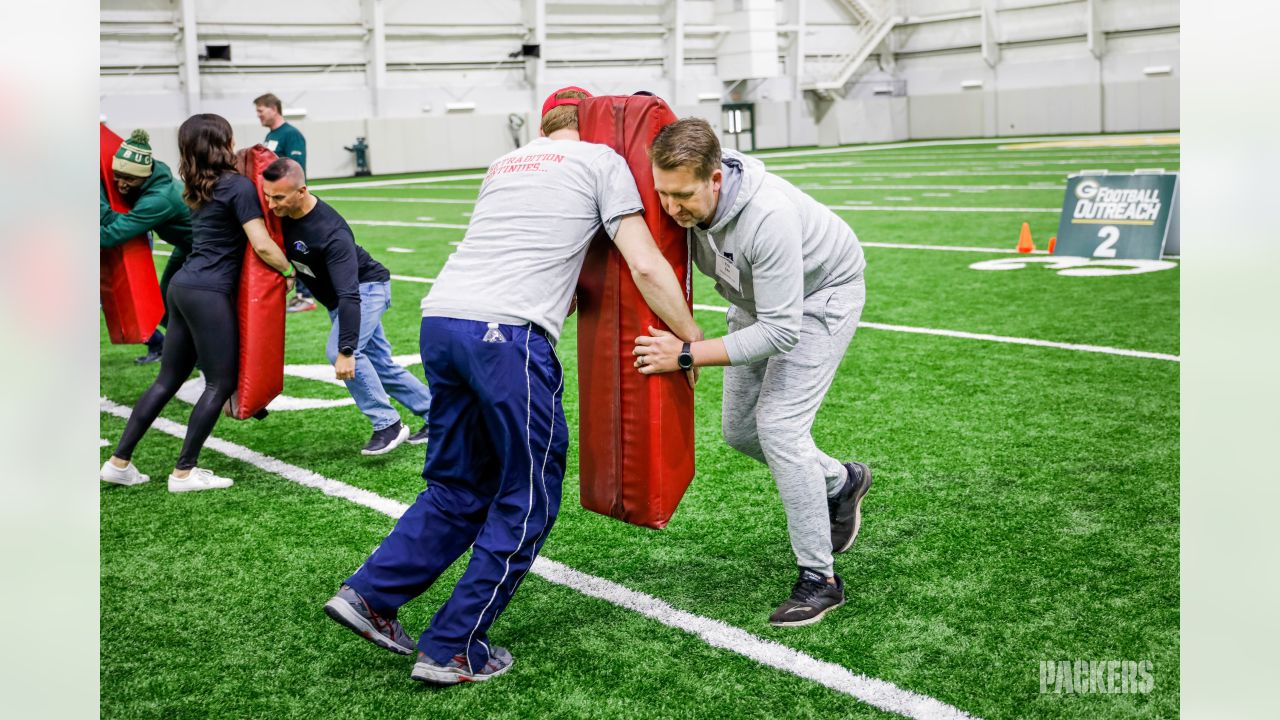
[{"x": 225, "y": 213}]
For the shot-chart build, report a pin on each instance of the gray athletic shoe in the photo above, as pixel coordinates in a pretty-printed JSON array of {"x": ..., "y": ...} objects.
[
  {"x": 811, "y": 598},
  {"x": 845, "y": 508},
  {"x": 455, "y": 671},
  {"x": 350, "y": 610}
]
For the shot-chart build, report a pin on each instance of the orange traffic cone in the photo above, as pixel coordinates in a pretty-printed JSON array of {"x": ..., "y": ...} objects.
[
  {"x": 1053, "y": 242},
  {"x": 1024, "y": 240}
]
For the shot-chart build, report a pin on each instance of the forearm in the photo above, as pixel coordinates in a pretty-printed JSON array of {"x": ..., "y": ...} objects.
[
  {"x": 266, "y": 248},
  {"x": 272, "y": 255},
  {"x": 662, "y": 292},
  {"x": 348, "y": 322},
  {"x": 118, "y": 228},
  {"x": 709, "y": 352}
]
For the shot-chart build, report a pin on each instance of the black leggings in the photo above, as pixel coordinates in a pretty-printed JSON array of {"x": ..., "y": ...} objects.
[{"x": 202, "y": 324}]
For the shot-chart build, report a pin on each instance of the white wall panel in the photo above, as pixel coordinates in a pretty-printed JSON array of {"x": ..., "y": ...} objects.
[{"x": 314, "y": 55}]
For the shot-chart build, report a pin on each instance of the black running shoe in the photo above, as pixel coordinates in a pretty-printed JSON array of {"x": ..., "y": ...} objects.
[
  {"x": 811, "y": 598},
  {"x": 845, "y": 508},
  {"x": 386, "y": 439},
  {"x": 420, "y": 437},
  {"x": 150, "y": 357}
]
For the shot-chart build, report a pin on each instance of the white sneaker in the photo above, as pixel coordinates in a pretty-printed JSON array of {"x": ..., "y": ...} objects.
[
  {"x": 199, "y": 479},
  {"x": 128, "y": 475}
]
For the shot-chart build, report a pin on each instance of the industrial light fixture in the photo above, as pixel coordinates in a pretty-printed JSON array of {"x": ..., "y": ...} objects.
[
  {"x": 970, "y": 84},
  {"x": 459, "y": 107},
  {"x": 882, "y": 90},
  {"x": 708, "y": 97},
  {"x": 1158, "y": 70},
  {"x": 295, "y": 113}
]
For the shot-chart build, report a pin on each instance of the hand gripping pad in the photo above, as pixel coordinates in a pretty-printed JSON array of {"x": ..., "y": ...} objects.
[
  {"x": 260, "y": 306},
  {"x": 127, "y": 284},
  {"x": 635, "y": 432}
]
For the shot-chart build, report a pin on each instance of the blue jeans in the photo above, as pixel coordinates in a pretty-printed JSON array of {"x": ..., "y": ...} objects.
[{"x": 377, "y": 375}]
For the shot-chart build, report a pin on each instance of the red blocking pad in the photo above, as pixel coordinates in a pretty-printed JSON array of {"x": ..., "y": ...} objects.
[
  {"x": 635, "y": 432},
  {"x": 127, "y": 281},
  {"x": 260, "y": 306}
]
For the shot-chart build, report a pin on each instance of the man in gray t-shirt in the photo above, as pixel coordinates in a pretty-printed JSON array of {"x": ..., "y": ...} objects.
[
  {"x": 791, "y": 270},
  {"x": 498, "y": 435},
  {"x": 538, "y": 209}
]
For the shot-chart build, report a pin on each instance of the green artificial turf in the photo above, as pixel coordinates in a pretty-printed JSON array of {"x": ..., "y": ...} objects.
[{"x": 1025, "y": 505}]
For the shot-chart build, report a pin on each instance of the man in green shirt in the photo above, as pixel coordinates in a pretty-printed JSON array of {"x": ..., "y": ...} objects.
[
  {"x": 156, "y": 205},
  {"x": 285, "y": 141}
]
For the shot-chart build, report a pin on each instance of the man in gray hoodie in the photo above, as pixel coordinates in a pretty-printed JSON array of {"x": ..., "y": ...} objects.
[{"x": 792, "y": 272}]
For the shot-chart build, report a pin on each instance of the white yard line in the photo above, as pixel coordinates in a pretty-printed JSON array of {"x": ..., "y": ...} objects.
[
  {"x": 322, "y": 187},
  {"x": 857, "y": 166},
  {"x": 432, "y": 201},
  {"x": 1056, "y": 187},
  {"x": 886, "y": 208},
  {"x": 801, "y": 174},
  {"x": 398, "y": 223},
  {"x": 872, "y": 691},
  {"x": 953, "y": 143},
  {"x": 995, "y": 338},
  {"x": 948, "y": 248},
  {"x": 931, "y": 331},
  {"x": 926, "y": 208}
]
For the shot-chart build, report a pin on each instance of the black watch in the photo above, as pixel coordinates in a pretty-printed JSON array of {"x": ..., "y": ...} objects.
[
  {"x": 685, "y": 361},
  {"x": 347, "y": 350}
]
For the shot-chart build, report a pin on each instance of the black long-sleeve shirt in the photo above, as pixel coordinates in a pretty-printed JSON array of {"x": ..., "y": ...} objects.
[{"x": 322, "y": 247}]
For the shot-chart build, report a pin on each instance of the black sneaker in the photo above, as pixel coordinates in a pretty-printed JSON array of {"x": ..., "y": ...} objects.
[
  {"x": 150, "y": 357},
  {"x": 845, "y": 509},
  {"x": 420, "y": 437},
  {"x": 386, "y": 439},
  {"x": 811, "y": 598}
]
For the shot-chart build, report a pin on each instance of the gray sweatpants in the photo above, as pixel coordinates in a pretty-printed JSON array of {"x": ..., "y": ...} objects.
[{"x": 769, "y": 407}]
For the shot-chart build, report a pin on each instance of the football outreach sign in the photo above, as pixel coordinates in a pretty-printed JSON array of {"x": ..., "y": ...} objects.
[{"x": 1122, "y": 216}]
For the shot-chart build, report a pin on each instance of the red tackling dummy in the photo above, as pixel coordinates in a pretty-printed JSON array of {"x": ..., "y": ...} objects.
[
  {"x": 260, "y": 307},
  {"x": 127, "y": 283},
  {"x": 635, "y": 432}
]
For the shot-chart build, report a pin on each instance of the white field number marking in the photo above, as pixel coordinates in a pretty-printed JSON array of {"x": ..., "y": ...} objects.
[
  {"x": 1078, "y": 266},
  {"x": 192, "y": 389},
  {"x": 1109, "y": 234}
]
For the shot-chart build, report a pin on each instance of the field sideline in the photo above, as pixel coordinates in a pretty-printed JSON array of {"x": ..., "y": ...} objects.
[{"x": 1025, "y": 507}]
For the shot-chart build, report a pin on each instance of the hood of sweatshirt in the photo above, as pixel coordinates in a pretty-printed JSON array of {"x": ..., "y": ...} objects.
[{"x": 750, "y": 174}]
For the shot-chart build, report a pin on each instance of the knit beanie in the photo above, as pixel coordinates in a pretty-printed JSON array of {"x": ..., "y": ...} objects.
[{"x": 134, "y": 156}]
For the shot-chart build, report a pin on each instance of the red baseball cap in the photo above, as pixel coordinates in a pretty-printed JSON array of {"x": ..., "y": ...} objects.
[{"x": 552, "y": 101}]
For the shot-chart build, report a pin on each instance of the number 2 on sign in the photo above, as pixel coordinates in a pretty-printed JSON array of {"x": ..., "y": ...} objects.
[{"x": 1109, "y": 234}]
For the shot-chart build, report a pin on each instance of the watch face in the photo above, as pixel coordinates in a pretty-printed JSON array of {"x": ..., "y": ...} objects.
[{"x": 685, "y": 361}]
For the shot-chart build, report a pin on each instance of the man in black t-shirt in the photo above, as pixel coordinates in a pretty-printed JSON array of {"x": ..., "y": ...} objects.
[{"x": 356, "y": 290}]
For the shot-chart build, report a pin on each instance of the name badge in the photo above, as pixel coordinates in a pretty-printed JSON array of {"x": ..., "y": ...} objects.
[
  {"x": 302, "y": 268},
  {"x": 727, "y": 272}
]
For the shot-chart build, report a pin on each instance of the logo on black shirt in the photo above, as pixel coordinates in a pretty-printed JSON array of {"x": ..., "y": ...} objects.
[{"x": 300, "y": 246}]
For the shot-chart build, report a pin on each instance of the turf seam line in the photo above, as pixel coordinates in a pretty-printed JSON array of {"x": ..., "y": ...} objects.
[{"x": 872, "y": 691}]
